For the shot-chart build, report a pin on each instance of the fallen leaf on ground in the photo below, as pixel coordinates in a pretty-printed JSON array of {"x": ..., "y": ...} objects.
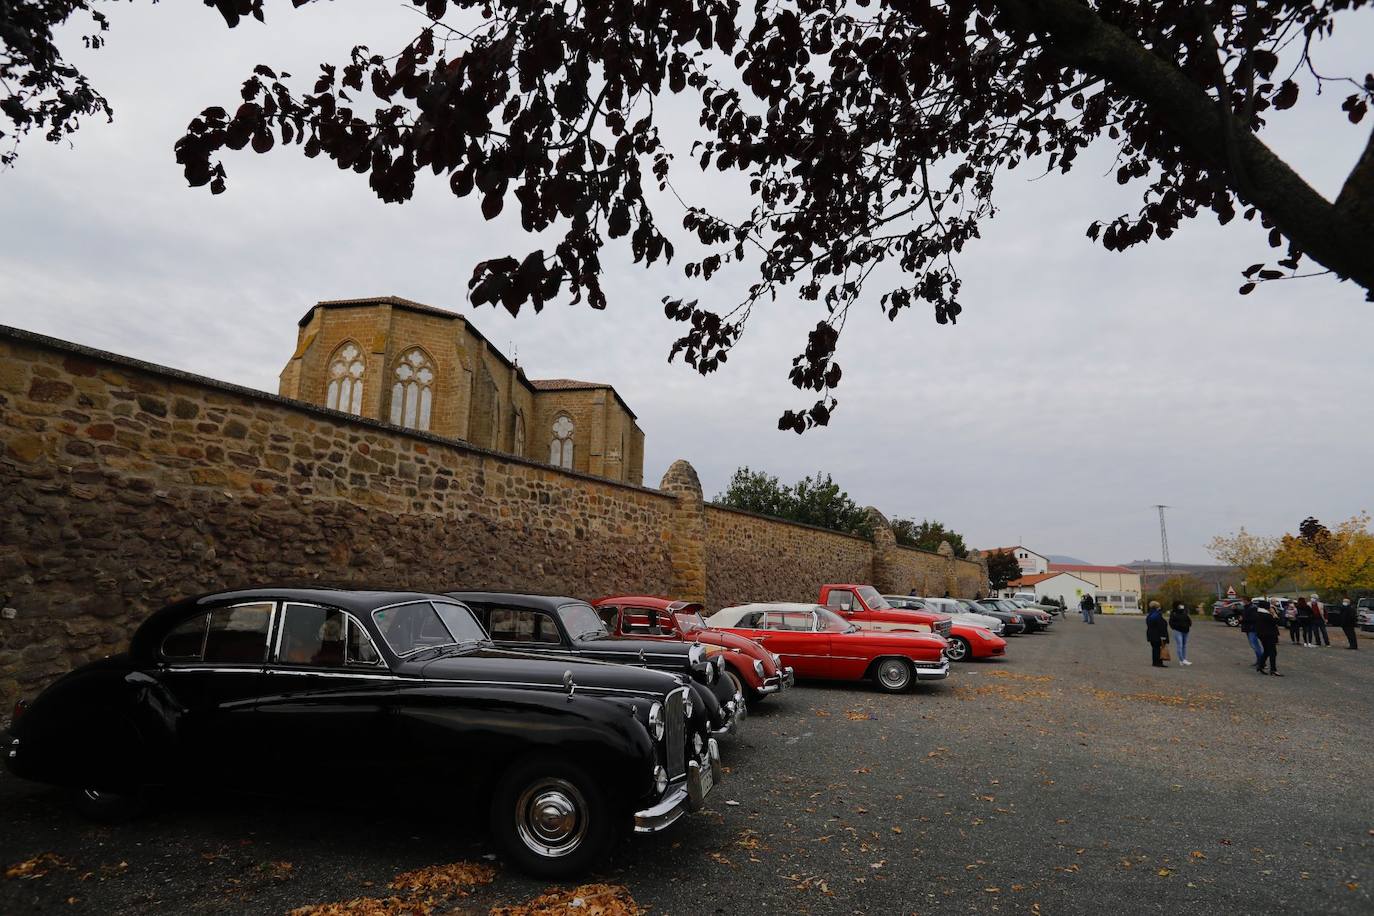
[
  {"x": 454, "y": 878},
  {"x": 36, "y": 867},
  {"x": 586, "y": 899}
]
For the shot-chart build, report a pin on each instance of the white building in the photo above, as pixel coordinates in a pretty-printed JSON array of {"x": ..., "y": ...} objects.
[
  {"x": 1059, "y": 586},
  {"x": 1031, "y": 563}
]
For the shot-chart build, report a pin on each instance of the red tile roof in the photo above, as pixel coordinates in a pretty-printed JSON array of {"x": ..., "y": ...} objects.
[{"x": 1032, "y": 580}]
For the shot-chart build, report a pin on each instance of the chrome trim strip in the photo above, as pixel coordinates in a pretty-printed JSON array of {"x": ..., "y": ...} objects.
[{"x": 620, "y": 691}]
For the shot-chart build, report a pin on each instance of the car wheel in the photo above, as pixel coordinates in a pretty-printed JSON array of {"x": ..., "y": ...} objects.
[
  {"x": 893, "y": 675},
  {"x": 107, "y": 807},
  {"x": 551, "y": 818},
  {"x": 958, "y": 650}
]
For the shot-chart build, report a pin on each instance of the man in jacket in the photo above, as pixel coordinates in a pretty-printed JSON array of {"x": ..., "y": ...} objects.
[
  {"x": 1349, "y": 620},
  {"x": 1247, "y": 626},
  {"x": 1156, "y": 631},
  {"x": 1267, "y": 629},
  {"x": 1087, "y": 606}
]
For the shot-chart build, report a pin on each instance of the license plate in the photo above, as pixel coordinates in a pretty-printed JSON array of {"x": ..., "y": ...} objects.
[{"x": 707, "y": 781}]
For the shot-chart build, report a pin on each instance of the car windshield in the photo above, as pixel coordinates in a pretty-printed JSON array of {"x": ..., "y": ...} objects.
[
  {"x": 827, "y": 621},
  {"x": 421, "y": 625},
  {"x": 581, "y": 621},
  {"x": 871, "y": 598},
  {"x": 688, "y": 621}
]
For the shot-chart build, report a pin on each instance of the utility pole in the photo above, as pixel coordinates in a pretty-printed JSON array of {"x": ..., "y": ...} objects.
[{"x": 1164, "y": 542}]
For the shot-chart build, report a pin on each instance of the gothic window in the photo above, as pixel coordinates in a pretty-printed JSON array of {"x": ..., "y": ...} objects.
[
  {"x": 345, "y": 389},
  {"x": 561, "y": 446},
  {"x": 518, "y": 435},
  {"x": 412, "y": 391}
]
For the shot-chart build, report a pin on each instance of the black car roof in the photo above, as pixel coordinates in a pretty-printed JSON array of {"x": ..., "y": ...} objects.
[
  {"x": 359, "y": 601},
  {"x": 541, "y": 602}
]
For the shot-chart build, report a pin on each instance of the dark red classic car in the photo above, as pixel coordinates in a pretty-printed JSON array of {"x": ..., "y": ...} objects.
[
  {"x": 819, "y": 643},
  {"x": 756, "y": 672}
]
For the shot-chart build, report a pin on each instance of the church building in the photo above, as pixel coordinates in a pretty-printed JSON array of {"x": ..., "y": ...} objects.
[{"x": 428, "y": 369}]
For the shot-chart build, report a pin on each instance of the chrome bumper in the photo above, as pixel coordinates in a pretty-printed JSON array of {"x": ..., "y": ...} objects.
[
  {"x": 785, "y": 678},
  {"x": 933, "y": 673},
  {"x": 685, "y": 794},
  {"x": 735, "y": 713}
]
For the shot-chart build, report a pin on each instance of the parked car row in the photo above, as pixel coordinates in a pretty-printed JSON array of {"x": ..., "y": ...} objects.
[{"x": 567, "y": 723}]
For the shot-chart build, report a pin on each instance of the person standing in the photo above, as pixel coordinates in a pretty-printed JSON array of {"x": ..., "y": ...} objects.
[
  {"x": 1320, "y": 637},
  {"x": 1157, "y": 632},
  {"x": 1267, "y": 629},
  {"x": 1305, "y": 622},
  {"x": 1180, "y": 622},
  {"x": 1290, "y": 617},
  {"x": 1348, "y": 623},
  {"x": 1087, "y": 606},
  {"x": 1248, "y": 615}
]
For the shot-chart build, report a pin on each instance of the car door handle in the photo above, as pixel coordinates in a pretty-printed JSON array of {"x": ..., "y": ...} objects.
[{"x": 760, "y": 638}]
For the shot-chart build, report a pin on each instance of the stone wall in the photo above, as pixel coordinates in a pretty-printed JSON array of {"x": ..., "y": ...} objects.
[
  {"x": 126, "y": 486},
  {"x": 755, "y": 558}
]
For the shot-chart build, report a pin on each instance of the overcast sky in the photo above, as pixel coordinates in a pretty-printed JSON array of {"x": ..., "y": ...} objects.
[{"x": 1078, "y": 389}]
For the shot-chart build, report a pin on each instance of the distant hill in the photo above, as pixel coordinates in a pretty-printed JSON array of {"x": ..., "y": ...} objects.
[
  {"x": 1072, "y": 561},
  {"x": 1153, "y": 573}
]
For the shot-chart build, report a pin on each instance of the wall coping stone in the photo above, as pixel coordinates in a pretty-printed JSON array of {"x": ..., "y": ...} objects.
[
  {"x": 138, "y": 365},
  {"x": 787, "y": 521}
]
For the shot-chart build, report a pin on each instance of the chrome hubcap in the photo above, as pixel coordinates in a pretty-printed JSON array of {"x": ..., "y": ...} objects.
[
  {"x": 551, "y": 817},
  {"x": 956, "y": 650},
  {"x": 893, "y": 674}
]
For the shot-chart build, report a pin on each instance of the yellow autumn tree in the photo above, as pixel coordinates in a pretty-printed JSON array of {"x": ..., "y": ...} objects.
[
  {"x": 1253, "y": 554},
  {"x": 1331, "y": 560}
]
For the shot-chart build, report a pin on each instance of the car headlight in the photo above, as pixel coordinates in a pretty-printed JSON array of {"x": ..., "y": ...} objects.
[
  {"x": 660, "y": 780},
  {"x": 983, "y": 634},
  {"x": 656, "y": 726},
  {"x": 758, "y": 667}
]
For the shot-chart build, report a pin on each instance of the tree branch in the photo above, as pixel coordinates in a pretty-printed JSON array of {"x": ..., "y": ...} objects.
[
  {"x": 1320, "y": 229},
  {"x": 1356, "y": 200}
]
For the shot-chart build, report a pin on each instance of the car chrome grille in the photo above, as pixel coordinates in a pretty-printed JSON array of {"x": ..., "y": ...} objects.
[{"x": 675, "y": 738}]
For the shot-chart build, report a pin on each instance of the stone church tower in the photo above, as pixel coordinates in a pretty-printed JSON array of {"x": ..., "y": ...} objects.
[{"x": 428, "y": 369}]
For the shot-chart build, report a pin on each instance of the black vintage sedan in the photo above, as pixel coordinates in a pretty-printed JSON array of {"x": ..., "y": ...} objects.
[
  {"x": 284, "y": 690},
  {"x": 573, "y": 628}
]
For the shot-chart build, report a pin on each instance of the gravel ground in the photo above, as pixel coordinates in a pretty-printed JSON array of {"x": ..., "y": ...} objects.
[{"x": 1070, "y": 777}]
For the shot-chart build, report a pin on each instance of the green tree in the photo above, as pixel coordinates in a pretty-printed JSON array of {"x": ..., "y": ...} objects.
[
  {"x": 1191, "y": 590},
  {"x": 756, "y": 491},
  {"x": 927, "y": 535},
  {"x": 815, "y": 500},
  {"x": 1002, "y": 569}
]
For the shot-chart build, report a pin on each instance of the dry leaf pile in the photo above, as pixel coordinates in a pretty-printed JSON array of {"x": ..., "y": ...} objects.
[
  {"x": 586, "y": 900},
  {"x": 423, "y": 890}
]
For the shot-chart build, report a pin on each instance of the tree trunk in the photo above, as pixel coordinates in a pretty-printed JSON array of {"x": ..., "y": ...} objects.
[{"x": 1338, "y": 236}]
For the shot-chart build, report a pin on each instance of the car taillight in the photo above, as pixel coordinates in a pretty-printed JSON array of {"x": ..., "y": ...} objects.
[{"x": 19, "y": 708}]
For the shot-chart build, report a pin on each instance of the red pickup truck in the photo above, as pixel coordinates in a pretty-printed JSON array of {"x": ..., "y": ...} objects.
[{"x": 865, "y": 606}]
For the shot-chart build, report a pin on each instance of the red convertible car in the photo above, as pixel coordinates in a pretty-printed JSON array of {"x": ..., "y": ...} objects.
[
  {"x": 756, "y": 672},
  {"x": 819, "y": 643}
]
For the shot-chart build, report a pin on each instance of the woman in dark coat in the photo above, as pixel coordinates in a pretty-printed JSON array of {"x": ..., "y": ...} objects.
[
  {"x": 1305, "y": 621},
  {"x": 1157, "y": 632},
  {"x": 1267, "y": 629},
  {"x": 1181, "y": 623}
]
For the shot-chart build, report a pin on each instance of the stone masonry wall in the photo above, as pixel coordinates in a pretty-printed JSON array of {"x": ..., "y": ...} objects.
[
  {"x": 754, "y": 558},
  {"x": 126, "y": 486}
]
